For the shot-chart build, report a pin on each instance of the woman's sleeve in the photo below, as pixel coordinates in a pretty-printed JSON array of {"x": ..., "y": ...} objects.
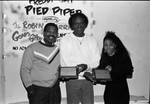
[
  {"x": 122, "y": 67},
  {"x": 104, "y": 61}
]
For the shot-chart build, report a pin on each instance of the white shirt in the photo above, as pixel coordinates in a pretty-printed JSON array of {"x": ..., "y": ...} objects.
[{"x": 84, "y": 51}]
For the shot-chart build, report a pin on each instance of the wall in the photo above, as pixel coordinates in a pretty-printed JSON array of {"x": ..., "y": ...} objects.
[
  {"x": 2, "y": 78},
  {"x": 130, "y": 21}
]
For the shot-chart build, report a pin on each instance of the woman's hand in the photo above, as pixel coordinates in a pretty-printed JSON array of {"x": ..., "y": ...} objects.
[{"x": 108, "y": 67}]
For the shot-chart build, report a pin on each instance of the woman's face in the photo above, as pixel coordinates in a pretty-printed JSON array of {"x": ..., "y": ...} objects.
[{"x": 109, "y": 47}]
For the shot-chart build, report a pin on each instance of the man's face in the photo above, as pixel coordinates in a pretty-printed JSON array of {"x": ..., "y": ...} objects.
[
  {"x": 78, "y": 26},
  {"x": 50, "y": 35}
]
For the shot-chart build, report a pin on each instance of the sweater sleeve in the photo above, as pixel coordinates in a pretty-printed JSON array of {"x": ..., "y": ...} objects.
[{"x": 26, "y": 65}]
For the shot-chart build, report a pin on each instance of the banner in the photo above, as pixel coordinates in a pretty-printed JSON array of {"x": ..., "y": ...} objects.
[{"x": 24, "y": 21}]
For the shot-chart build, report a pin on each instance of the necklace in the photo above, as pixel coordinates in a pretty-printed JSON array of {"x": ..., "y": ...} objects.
[{"x": 80, "y": 39}]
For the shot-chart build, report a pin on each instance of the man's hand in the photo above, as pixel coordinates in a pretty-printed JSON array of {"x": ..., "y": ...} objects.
[
  {"x": 89, "y": 77},
  {"x": 30, "y": 89},
  {"x": 81, "y": 67}
]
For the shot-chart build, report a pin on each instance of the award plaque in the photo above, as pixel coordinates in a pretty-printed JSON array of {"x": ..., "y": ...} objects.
[
  {"x": 68, "y": 72},
  {"x": 101, "y": 74}
]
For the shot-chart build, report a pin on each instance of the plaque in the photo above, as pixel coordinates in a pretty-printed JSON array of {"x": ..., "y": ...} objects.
[
  {"x": 68, "y": 72},
  {"x": 101, "y": 74}
]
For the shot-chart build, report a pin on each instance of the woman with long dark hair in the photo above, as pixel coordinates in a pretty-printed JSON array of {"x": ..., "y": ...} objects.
[{"x": 116, "y": 59}]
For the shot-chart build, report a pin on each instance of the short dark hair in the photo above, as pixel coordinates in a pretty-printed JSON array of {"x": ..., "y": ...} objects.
[
  {"x": 81, "y": 15},
  {"x": 50, "y": 24}
]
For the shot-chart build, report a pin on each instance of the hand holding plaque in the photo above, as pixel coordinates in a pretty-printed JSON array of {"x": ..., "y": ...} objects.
[
  {"x": 89, "y": 76},
  {"x": 81, "y": 68}
]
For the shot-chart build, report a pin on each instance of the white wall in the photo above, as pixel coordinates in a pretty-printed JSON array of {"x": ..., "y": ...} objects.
[
  {"x": 2, "y": 85},
  {"x": 130, "y": 21}
]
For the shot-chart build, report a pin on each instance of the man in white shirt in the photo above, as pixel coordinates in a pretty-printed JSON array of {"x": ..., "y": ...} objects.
[{"x": 82, "y": 50}]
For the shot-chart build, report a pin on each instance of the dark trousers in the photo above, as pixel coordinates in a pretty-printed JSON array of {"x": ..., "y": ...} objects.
[
  {"x": 117, "y": 92},
  {"x": 79, "y": 91},
  {"x": 44, "y": 95}
]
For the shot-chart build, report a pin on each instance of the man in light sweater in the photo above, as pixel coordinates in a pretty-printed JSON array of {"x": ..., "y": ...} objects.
[
  {"x": 82, "y": 50},
  {"x": 39, "y": 68}
]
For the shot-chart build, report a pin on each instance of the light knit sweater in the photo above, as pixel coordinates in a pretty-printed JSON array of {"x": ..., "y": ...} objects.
[
  {"x": 35, "y": 67},
  {"x": 83, "y": 51}
]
